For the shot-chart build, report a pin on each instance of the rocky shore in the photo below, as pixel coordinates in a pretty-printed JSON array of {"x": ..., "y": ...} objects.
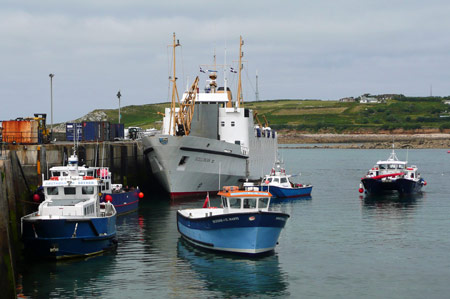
[{"x": 291, "y": 139}]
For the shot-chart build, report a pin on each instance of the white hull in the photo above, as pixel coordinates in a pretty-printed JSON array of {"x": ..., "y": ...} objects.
[{"x": 204, "y": 160}]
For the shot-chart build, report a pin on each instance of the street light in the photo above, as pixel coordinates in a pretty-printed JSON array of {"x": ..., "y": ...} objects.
[
  {"x": 51, "y": 104},
  {"x": 118, "y": 96}
]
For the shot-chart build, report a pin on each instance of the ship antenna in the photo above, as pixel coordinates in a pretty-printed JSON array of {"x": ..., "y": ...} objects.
[{"x": 225, "y": 72}]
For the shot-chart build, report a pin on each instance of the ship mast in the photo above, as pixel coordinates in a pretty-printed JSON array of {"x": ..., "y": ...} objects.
[
  {"x": 175, "y": 96},
  {"x": 239, "y": 91}
]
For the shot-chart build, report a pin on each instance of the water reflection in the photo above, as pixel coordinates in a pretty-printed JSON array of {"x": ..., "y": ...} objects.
[
  {"x": 277, "y": 200},
  {"x": 235, "y": 276},
  {"x": 62, "y": 279},
  {"x": 391, "y": 201}
]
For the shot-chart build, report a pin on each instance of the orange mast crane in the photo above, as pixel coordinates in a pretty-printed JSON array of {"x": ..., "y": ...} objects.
[{"x": 186, "y": 111}]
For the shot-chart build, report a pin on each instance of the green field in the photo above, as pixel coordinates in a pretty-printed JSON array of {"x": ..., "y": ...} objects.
[{"x": 405, "y": 113}]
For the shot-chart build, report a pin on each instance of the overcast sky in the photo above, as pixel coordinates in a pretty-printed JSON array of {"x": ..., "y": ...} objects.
[{"x": 322, "y": 49}]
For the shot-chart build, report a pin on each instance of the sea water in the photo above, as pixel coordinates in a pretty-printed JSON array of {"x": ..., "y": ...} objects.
[{"x": 336, "y": 244}]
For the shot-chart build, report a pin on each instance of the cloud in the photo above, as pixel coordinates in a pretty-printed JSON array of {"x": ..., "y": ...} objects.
[{"x": 301, "y": 49}]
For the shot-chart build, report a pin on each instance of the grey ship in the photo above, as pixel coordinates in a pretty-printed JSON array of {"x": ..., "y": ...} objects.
[{"x": 209, "y": 140}]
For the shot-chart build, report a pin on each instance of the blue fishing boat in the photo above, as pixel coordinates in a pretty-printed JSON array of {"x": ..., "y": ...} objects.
[
  {"x": 278, "y": 183},
  {"x": 125, "y": 200},
  {"x": 392, "y": 175},
  {"x": 71, "y": 221},
  {"x": 243, "y": 224}
]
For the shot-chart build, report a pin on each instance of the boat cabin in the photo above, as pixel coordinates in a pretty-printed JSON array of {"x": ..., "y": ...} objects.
[
  {"x": 70, "y": 198},
  {"x": 234, "y": 199}
]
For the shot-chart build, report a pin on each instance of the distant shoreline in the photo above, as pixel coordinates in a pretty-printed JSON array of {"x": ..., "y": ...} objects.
[{"x": 365, "y": 141}]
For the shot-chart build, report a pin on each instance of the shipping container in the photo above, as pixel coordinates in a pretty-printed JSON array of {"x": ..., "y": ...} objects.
[
  {"x": 96, "y": 131},
  {"x": 117, "y": 131},
  {"x": 20, "y": 131},
  {"x": 70, "y": 131}
]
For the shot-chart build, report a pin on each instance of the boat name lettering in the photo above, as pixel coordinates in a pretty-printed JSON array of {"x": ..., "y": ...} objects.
[
  {"x": 225, "y": 219},
  {"x": 280, "y": 218},
  {"x": 201, "y": 159}
]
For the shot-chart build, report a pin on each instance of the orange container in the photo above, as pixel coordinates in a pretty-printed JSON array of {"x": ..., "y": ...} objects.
[{"x": 20, "y": 131}]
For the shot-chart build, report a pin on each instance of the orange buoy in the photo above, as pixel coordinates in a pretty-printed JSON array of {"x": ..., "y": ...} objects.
[
  {"x": 141, "y": 195},
  {"x": 361, "y": 190},
  {"x": 108, "y": 198}
]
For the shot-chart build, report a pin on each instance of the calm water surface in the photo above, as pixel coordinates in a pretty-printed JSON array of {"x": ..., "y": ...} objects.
[{"x": 336, "y": 244}]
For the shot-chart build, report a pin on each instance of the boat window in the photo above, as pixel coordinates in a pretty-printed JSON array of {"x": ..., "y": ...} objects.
[
  {"x": 183, "y": 160},
  {"x": 87, "y": 190},
  {"x": 276, "y": 180},
  {"x": 107, "y": 185},
  {"x": 56, "y": 173},
  {"x": 262, "y": 202},
  {"x": 233, "y": 123},
  {"x": 392, "y": 166},
  {"x": 224, "y": 202},
  {"x": 52, "y": 190},
  {"x": 235, "y": 203},
  {"x": 249, "y": 203},
  {"x": 401, "y": 166},
  {"x": 382, "y": 166},
  {"x": 283, "y": 180},
  {"x": 222, "y": 123},
  {"x": 69, "y": 190},
  {"x": 269, "y": 179}
]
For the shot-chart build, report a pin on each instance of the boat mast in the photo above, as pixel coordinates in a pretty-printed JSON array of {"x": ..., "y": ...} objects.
[
  {"x": 239, "y": 91},
  {"x": 175, "y": 96}
]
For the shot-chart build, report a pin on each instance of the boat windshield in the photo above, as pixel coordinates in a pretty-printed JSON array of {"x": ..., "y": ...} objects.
[
  {"x": 269, "y": 179},
  {"x": 263, "y": 202},
  {"x": 87, "y": 190},
  {"x": 276, "y": 180},
  {"x": 235, "y": 203},
  {"x": 249, "y": 203},
  {"x": 283, "y": 180},
  {"x": 224, "y": 202},
  {"x": 52, "y": 190}
]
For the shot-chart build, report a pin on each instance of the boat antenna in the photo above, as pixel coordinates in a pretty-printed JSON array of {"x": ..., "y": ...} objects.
[{"x": 220, "y": 166}]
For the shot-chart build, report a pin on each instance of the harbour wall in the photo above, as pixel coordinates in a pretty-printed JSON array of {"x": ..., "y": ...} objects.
[{"x": 22, "y": 169}]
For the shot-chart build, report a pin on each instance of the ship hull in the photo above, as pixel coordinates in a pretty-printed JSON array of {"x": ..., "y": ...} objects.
[
  {"x": 243, "y": 233},
  {"x": 67, "y": 238},
  {"x": 189, "y": 165},
  {"x": 283, "y": 192},
  {"x": 124, "y": 202},
  {"x": 402, "y": 186}
]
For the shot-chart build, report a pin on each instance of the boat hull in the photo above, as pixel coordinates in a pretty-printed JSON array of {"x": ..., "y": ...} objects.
[
  {"x": 124, "y": 202},
  {"x": 401, "y": 185},
  {"x": 244, "y": 233},
  {"x": 281, "y": 192},
  {"x": 67, "y": 238},
  {"x": 191, "y": 165}
]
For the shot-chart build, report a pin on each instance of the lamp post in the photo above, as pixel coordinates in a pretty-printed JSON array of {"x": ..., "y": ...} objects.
[
  {"x": 51, "y": 104},
  {"x": 118, "y": 96}
]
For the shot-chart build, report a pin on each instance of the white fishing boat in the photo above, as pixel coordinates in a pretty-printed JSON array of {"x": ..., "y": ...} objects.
[{"x": 208, "y": 138}]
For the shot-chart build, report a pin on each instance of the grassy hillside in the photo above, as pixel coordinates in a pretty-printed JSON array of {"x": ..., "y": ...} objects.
[{"x": 324, "y": 116}]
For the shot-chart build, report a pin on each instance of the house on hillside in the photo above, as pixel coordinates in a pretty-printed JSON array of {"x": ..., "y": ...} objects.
[
  {"x": 368, "y": 99},
  {"x": 447, "y": 102},
  {"x": 348, "y": 100}
]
